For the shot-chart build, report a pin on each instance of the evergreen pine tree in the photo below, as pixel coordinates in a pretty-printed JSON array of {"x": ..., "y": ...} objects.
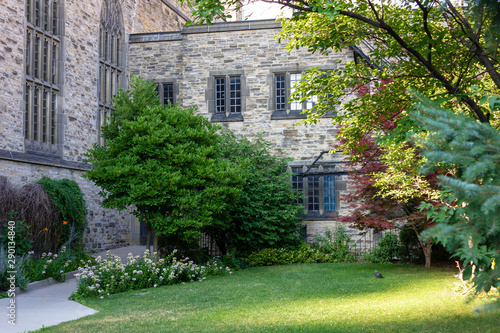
[{"x": 469, "y": 225}]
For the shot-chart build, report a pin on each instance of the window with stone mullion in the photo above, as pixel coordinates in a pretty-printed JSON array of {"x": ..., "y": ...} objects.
[
  {"x": 110, "y": 62},
  {"x": 41, "y": 85},
  {"x": 318, "y": 190}
]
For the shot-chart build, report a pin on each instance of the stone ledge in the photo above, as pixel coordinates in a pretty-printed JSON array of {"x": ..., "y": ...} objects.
[
  {"x": 204, "y": 28},
  {"x": 155, "y": 37},
  {"x": 42, "y": 160}
]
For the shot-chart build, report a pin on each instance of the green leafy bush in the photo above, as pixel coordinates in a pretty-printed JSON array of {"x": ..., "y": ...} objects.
[
  {"x": 336, "y": 243},
  {"x": 110, "y": 275},
  {"x": 66, "y": 195},
  {"x": 165, "y": 161},
  {"x": 18, "y": 233},
  {"x": 54, "y": 265},
  {"x": 305, "y": 253},
  {"x": 8, "y": 263},
  {"x": 386, "y": 250},
  {"x": 266, "y": 214}
]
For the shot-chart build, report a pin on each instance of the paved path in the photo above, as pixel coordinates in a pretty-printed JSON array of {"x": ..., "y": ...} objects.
[{"x": 47, "y": 304}]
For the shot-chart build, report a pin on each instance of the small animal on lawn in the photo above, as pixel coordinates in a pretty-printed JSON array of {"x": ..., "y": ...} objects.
[{"x": 378, "y": 275}]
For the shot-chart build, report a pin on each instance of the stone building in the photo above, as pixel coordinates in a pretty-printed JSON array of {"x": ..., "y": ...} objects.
[{"x": 62, "y": 60}]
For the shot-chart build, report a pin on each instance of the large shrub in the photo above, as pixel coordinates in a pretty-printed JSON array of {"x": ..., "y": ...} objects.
[
  {"x": 164, "y": 161},
  {"x": 266, "y": 214},
  {"x": 336, "y": 243},
  {"x": 48, "y": 214}
]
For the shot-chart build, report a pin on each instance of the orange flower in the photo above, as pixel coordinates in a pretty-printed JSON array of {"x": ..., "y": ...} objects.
[
  {"x": 46, "y": 229},
  {"x": 65, "y": 222}
]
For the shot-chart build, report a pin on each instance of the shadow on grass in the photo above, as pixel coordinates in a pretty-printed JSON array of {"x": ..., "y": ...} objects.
[{"x": 296, "y": 298}]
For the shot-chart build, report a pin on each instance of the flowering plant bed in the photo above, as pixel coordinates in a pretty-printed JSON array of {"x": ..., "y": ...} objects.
[{"x": 109, "y": 276}]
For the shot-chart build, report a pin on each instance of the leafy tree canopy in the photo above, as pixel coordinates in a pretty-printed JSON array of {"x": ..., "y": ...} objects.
[
  {"x": 267, "y": 214},
  {"x": 166, "y": 162}
]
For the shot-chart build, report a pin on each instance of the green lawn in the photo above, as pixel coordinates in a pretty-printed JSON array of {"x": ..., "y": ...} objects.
[{"x": 295, "y": 298}]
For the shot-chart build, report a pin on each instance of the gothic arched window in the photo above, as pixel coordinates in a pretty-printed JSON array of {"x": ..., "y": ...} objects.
[
  {"x": 111, "y": 58},
  {"x": 43, "y": 77}
]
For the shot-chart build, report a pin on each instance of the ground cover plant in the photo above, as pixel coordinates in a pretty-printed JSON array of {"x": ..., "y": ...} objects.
[
  {"x": 108, "y": 276},
  {"x": 50, "y": 265},
  {"x": 340, "y": 297}
]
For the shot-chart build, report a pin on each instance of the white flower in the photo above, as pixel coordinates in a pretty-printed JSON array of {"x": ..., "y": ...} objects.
[{"x": 101, "y": 297}]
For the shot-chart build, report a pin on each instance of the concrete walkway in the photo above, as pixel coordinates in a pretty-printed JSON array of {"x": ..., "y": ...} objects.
[{"x": 46, "y": 304}]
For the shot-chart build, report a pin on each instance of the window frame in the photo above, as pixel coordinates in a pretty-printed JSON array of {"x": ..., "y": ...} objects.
[
  {"x": 226, "y": 95},
  {"x": 325, "y": 173},
  {"x": 43, "y": 77},
  {"x": 111, "y": 60},
  {"x": 162, "y": 83},
  {"x": 292, "y": 110}
]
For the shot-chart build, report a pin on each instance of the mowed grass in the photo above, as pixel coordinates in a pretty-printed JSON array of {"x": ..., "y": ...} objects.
[{"x": 296, "y": 298}]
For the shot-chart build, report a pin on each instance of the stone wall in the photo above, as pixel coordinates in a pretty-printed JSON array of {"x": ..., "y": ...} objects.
[
  {"x": 11, "y": 74},
  {"x": 189, "y": 57},
  {"x": 106, "y": 228},
  {"x": 77, "y": 102}
]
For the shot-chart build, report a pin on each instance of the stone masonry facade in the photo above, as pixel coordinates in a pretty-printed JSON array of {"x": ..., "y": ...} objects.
[
  {"x": 77, "y": 101},
  {"x": 193, "y": 56}
]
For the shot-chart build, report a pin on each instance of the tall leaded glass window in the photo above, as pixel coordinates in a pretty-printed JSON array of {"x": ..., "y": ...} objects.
[
  {"x": 111, "y": 63},
  {"x": 329, "y": 192},
  {"x": 41, "y": 67},
  {"x": 294, "y": 80},
  {"x": 298, "y": 183}
]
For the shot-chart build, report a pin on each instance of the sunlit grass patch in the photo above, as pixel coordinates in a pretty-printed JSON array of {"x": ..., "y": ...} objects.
[{"x": 295, "y": 298}]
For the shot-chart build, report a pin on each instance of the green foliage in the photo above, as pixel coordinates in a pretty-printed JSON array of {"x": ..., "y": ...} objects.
[
  {"x": 336, "y": 243},
  {"x": 66, "y": 195},
  {"x": 469, "y": 223},
  {"x": 185, "y": 248},
  {"x": 266, "y": 214},
  {"x": 9, "y": 262},
  {"x": 386, "y": 250},
  {"x": 109, "y": 276},
  {"x": 55, "y": 265},
  {"x": 166, "y": 162},
  {"x": 18, "y": 233},
  {"x": 303, "y": 254}
]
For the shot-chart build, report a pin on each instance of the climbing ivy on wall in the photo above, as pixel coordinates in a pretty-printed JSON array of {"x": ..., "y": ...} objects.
[{"x": 66, "y": 195}]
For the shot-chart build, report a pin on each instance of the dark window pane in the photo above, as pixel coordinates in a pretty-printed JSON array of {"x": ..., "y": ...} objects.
[
  {"x": 313, "y": 193},
  {"x": 329, "y": 192},
  {"x": 235, "y": 94},
  {"x": 298, "y": 182},
  {"x": 53, "y": 119},
  {"x": 168, "y": 94},
  {"x": 280, "y": 91},
  {"x": 220, "y": 95},
  {"x": 27, "y": 113},
  {"x": 35, "y": 113}
]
